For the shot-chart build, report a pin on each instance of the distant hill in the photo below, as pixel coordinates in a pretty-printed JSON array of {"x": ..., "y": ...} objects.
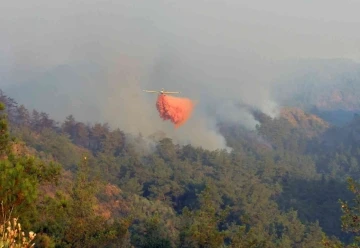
[
  {"x": 347, "y": 135},
  {"x": 338, "y": 117},
  {"x": 311, "y": 123},
  {"x": 329, "y": 88}
]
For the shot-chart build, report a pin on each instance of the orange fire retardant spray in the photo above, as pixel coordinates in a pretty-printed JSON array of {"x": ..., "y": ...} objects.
[{"x": 177, "y": 110}]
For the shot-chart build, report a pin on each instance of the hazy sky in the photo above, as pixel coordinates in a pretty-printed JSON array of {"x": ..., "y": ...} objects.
[
  {"x": 219, "y": 53},
  {"x": 272, "y": 29}
]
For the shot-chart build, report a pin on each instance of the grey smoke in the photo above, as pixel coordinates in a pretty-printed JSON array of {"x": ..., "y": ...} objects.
[{"x": 93, "y": 58}]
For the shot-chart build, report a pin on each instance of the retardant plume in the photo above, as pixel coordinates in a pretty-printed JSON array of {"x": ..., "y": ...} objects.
[{"x": 177, "y": 110}]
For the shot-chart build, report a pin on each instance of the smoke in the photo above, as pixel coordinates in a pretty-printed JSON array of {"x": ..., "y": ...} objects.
[
  {"x": 93, "y": 59},
  {"x": 177, "y": 110},
  {"x": 122, "y": 103}
]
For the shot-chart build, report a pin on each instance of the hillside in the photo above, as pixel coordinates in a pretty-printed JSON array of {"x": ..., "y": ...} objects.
[
  {"x": 327, "y": 88},
  {"x": 272, "y": 190},
  {"x": 310, "y": 123}
]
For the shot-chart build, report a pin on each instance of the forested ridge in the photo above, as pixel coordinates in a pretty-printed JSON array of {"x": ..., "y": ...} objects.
[{"x": 286, "y": 184}]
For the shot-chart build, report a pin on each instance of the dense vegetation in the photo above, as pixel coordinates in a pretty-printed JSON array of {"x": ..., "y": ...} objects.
[{"x": 79, "y": 185}]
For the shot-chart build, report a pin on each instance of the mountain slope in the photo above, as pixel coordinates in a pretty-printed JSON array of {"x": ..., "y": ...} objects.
[{"x": 328, "y": 88}]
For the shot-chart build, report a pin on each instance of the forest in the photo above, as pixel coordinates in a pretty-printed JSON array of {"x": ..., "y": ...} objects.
[{"x": 292, "y": 182}]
